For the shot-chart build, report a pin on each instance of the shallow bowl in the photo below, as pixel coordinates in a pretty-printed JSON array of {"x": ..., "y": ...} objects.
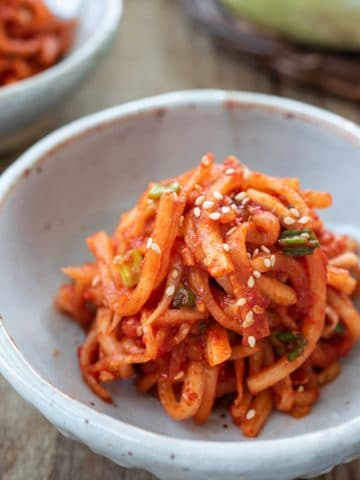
[
  {"x": 77, "y": 181},
  {"x": 27, "y": 107}
]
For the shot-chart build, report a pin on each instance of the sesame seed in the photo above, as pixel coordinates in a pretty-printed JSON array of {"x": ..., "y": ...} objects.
[
  {"x": 304, "y": 219},
  {"x": 199, "y": 200},
  {"x": 150, "y": 201},
  {"x": 197, "y": 187},
  {"x": 181, "y": 221},
  {"x": 265, "y": 249},
  {"x": 232, "y": 230},
  {"x": 226, "y": 247},
  {"x": 247, "y": 173},
  {"x": 170, "y": 290},
  {"x": 295, "y": 212},
  {"x": 252, "y": 341},
  {"x": 175, "y": 196},
  {"x": 300, "y": 388},
  {"x": 155, "y": 247},
  {"x": 240, "y": 196},
  {"x": 205, "y": 161},
  {"x": 233, "y": 207},
  {"x": 248, "y": 254},
  {"x": 255, "y": 252},
  {"x": 273, "y": 260},
  {"x": 179, "y": 375},
  {"x": 218, "y": 195},
  {"x": 256, "y": 274},
  {"x": 139, "y": 331},
  {"x": 208, "y": 204},
  {"x": 258, "y": 310},
  {"x": 214, "y": 216},
  {"x": 229, "y": 171},
  {"x": 240, "y": 302},
  {"x": 225, "y": 210},
  {"x": 175, "y": 274},
  {"x": 267, "y": 262},
  {"x": 250, "y": 414},
  {"x": 245, "y": 201},
  {"x": 249, "y": 319},
  {"x": 289, "y": 221},
  {"x": 197, "y": 212},
  {"x": 251, "y": 281},
  {"x": 95, "y": 281},
  {"x": 149, "y": 243},
  {"x": 117, "y": 259}
]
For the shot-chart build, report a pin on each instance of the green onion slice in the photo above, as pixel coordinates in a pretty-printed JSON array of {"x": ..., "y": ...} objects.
[
  {"x": 158, "y": 189},
  {"x": 298, "y": 243},
  {"x": 288, "y": 343},
  {"x": 129, "y": 267},
  {"x": 184, "y": 297}
]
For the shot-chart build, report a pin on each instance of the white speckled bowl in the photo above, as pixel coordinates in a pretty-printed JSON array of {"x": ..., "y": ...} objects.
[
  {"x": 26, "y": 107},
  {"x": 78, "y": 180}
]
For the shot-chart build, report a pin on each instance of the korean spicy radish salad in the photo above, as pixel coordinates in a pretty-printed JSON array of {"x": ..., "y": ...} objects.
[{"x": 220, "y": 282}]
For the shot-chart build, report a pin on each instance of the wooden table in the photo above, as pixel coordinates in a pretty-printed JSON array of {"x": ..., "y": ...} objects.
[{"x": 157, "y": 50}]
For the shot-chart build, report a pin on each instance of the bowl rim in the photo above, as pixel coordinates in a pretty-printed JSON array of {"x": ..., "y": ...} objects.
[
  {"x": 103, "y": 431},
  {"x": 110, "y": 20}
]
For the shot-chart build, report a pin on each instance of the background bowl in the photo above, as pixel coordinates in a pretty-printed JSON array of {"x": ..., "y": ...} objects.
[
  {"x": 26, "y": 107},
  {"x": 77, "y": 181}
]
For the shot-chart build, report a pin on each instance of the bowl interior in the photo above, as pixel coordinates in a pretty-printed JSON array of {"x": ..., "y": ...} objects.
[{"x": 83, "y": 185}]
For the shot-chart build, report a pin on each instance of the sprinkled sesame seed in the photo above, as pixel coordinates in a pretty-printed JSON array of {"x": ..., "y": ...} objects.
[
  {"x": 245, "y": 201},
  {"x": 175, "y": 274},
  {"x": 214, "y": 216},
  {"x": 179, "y": 375},
  {"x": 240, "y": 302},
  {"x": 197, "y": 212},
  {"x": 233, "y": 207},
  {"x": 205, "y": 161},
  {"x": 197, "y": 187},
  {"x": 218, "y": 195},
  {"x": 256, "y": 274},
  {"x": 150, "y": 201},
  {"x": 300, "y": 388},
  {"x": 199, "y": 200},
  {"x": 175, "y": 196},
  {"x": 229, "y": 171},
  {"x": 247, "y": 173},
  {"x": 249, "y": 319},
  {"x": 252, "y": 341},
  {"x": 250, "y": 414},
  {"x": 258, "y": 310},
  {"x": 295, "y": 212},
  {"x": 181, "y": 221},
  {"x": 240, "y": 196},
  {"x": 208, "y": 204},
  {"x": 232, "y": 230},
  {"x": 248, "y": 254},
  {"x": 149, "y": 243},
  {"x": 255, "y": 252},
  {"x": 225, "y": 210},
  {"x": 226, "y": 247},
  {"x": 273, "y": 260},
  {"x": 95, "y": 281},
  {"x": 117, "y": 259},
  {"x": 304, "y": 219},
  {"x": 265, "y": 249},
  {"x": 139, "y": 331},
  {"x": 267, "y": 262},
  {"x": 289, "y": 221},
  {"x": 170, "y": 290},
  {"x": 155, "y": 247},
  {"x": 251, "y": 281}
]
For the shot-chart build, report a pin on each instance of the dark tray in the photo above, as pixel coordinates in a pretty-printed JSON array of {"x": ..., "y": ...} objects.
[{"x": 334, "y": 72}]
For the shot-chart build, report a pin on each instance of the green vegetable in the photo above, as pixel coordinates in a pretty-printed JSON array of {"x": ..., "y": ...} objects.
[
  {"x": 339, "y": 329},
  {"x": 288, "y": 343},
  {"x": 184, "y": 297},
  {"x": 331, "y": 24},
  {"x": 129, "y": 267},
  {"x": 158, "y": 189},
  {"x": 298, "y": 243}
]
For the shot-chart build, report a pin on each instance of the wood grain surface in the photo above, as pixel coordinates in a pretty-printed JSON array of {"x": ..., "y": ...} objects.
[{"x": 156, "y": 50}]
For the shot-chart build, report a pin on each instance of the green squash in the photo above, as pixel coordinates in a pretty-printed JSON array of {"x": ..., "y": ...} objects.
[{"x": 325, "y": 23}]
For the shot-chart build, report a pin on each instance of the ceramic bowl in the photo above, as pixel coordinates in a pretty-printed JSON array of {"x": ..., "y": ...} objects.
[
  {"x": 26, "y": 107},
  {"x": 77, "y": 181}
]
